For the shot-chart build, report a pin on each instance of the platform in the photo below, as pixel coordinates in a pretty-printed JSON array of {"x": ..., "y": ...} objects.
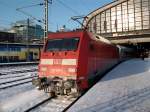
[{"x": 124, "y": 89}]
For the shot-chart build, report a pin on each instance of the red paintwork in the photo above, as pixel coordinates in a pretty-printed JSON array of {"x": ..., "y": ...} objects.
[{"x": 90, "y": 60}]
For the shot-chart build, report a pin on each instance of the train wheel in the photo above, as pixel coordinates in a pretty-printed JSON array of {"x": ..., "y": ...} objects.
[
  {"x": 68, "y": 91},
  {"x": 52, "y": 94}
]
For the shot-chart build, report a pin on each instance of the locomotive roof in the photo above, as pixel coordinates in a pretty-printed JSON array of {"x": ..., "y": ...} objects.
[
  {"x": 78, "y": 33},
  {"x": 68, "y": 33}
]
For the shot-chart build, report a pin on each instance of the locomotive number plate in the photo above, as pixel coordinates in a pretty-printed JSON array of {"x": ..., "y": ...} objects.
[{"x": 57, "y": 61}]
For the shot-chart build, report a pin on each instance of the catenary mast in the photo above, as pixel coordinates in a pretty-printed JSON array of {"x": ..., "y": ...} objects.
[{"x": 46, "y": 20}]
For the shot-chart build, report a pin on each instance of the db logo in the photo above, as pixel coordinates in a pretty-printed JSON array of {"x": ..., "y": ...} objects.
[{"x": 57, "y": 61}]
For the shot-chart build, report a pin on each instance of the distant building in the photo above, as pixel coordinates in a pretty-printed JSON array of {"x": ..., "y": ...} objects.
[
  {"x": 25, "y": 29},
  {"x": 63, "y": 29},
  {"x": 7, "y": 37}
]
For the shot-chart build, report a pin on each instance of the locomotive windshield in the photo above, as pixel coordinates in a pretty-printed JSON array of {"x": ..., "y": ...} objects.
[{"x": 64, "y": 44}]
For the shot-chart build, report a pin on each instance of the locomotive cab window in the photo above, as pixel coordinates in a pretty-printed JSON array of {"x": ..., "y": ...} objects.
[{"x": 64, "y": 44}]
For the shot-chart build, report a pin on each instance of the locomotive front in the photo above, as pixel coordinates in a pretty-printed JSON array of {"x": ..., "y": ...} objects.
[{"x": 58, "y": 64}]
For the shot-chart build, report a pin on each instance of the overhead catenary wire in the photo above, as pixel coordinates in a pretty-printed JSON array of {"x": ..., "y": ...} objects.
[
  {"x": 68, "y": 7},
  {"x": 78, "y": 18},
  {"x": 30, "y": 15},
  {"x": 29, "y": 6},
  {"x": 50, "y": 1},
  {"x": 40, "y": 4}
]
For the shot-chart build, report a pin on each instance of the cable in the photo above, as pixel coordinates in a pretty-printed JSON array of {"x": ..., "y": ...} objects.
[
  {"x": 78, "y": 18},
  {"x": 50, "y": 1},
  {"x": 25, "y": 13},
  {"x": 40, "y": 4},
  {"x": 66, "y": 6}
]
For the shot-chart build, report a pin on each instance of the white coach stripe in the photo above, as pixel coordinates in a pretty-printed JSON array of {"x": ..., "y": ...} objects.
[
  {"x": 69, "y": 62},
  {"x": 47, "y": 61}
]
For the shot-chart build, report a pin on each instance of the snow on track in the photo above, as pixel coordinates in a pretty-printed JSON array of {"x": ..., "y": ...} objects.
[
  {"x": 55, "y": 105},
  {"x": 15, "y": 75},
  {"x": 16, "y": 83},
  {"x": 22, "y": 101},
  {"x": 23, "y": 96},
  {"x": 10, "y": 69},
  {"x": 125, "y": 89},
  {"x": 5, "y": 94},
  {"x": 11, "y": 79}
]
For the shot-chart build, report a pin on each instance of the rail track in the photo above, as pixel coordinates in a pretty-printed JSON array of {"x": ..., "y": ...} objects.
[
  {"x": 15, "y": 82},
  {"x": 53, "y": 104},
  {"x": 38, "y": 104},
  {"x": 17, "y": 71},
  {"x": 20, "y": 67},
  {"x": 12, "y": 76},
  {"x": 15, "y": 76}
]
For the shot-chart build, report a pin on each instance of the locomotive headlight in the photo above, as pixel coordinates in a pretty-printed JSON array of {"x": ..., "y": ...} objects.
[
  {"x": 72, "y": 70},
  {"x": 69, "y": 61},
  {"x": 43, "y": 69}
]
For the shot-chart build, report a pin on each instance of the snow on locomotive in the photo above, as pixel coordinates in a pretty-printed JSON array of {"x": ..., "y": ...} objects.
[{"x": 71, "y": 61}]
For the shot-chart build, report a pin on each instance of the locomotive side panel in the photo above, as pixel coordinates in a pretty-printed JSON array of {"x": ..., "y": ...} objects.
[
  {"x": 102, "y": 56},
  {"x": 82, "y": 73}
]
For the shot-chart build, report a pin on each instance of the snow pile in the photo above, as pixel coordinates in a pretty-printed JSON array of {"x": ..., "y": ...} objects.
[
  {"x": 18, "y": 98},
  {"x": 7, "y": 93},
  {"x": 125, "y": 89}
]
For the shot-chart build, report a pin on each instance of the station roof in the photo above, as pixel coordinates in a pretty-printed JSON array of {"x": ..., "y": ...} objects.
[{"x": 103, "y": 8}]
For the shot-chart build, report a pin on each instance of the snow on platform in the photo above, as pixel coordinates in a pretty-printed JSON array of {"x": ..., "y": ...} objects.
[{"x": 125, "y": 89}]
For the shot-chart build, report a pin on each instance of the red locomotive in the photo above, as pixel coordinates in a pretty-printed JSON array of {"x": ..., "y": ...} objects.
[{"x": 71, "y": 61}]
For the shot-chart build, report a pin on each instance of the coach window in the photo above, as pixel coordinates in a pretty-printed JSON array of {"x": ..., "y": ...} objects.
[
  {"x": 1, "y": 58},
  {"x": 4, "y": 58}
]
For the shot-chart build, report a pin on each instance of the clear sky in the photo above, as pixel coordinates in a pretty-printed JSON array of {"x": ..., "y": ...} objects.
[{"x": 59, "y": 15}]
